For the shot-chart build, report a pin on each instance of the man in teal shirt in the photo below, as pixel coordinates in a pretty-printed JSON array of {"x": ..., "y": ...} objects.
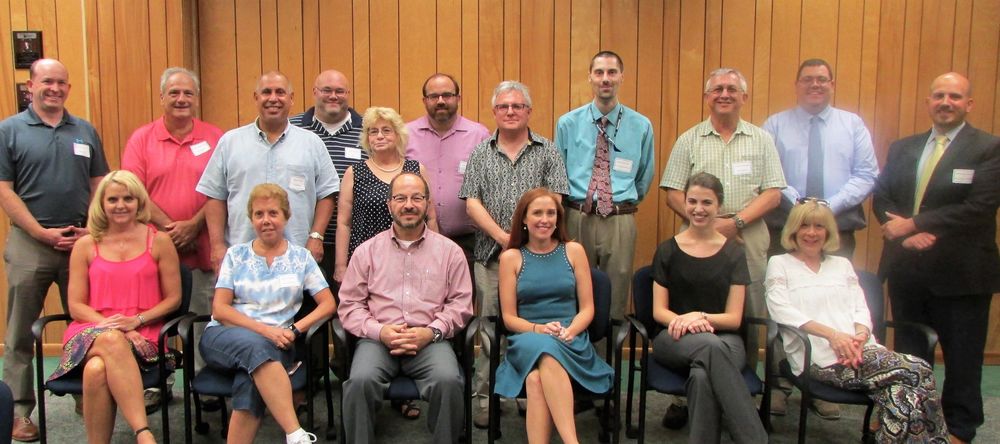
[{"x": 608, "y": 151}]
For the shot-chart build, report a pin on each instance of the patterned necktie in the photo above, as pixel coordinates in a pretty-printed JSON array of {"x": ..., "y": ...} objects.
[
  {"x": 600, "y": 179},
  {"x": 814, "y": 169},
  {"x": 925, "y": 173}
]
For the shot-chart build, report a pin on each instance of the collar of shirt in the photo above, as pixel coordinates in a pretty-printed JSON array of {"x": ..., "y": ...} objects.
[
  {"x": 951, "y": 135},
  {"x": 160, "y": 131},
  {"x": 32, "y": 118},
  {"x": 613, "y": 116},
  {"x": 336, "y": 126},
  {"x": 416, "y": 242},
  {"x": 805, "y": 116},
  {"x": 533, "y": 140},
  {"x": 707, "y": 129},
  {"x": 263, "y": 136}
]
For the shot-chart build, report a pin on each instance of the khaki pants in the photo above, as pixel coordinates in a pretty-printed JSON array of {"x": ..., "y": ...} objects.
[{"x": 610, "y": 245}]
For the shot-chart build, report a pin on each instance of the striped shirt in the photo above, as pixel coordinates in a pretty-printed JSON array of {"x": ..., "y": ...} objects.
[
  {"x": 747, "y": 165},
  {"x": 344, "y": 147},
  {"x": 499, "y": 182}
]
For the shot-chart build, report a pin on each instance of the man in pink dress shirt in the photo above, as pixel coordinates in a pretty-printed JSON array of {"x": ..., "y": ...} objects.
[
  {"x": 405, "y": 292},
  {"x": 169, "y": 155}
]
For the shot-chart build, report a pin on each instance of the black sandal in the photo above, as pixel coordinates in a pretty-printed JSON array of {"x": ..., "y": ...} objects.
[
  {"x": 409, "y": 409},
  {"x": 144, "y": 429}
]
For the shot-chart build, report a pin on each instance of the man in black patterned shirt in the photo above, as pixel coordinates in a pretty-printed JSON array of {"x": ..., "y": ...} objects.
[{"x": 501, "y": 169}]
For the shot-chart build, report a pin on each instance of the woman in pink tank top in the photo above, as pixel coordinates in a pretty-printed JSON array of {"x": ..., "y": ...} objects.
[{"x": 124, "y": 279}]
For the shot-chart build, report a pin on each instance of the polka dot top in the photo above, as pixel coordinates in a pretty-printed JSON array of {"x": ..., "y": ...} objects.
[{"x": 370, "y": 215}]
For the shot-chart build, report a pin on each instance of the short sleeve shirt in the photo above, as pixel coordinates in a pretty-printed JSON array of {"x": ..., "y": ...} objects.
[
  {"x": 269, "y": 294},
  {"x": 51, "y": 167},
  {"x": 747, "y": 165},
  {"x": 298, "y": 162},
  {"x": 699, "y": 283},
  {"x": 499, "y": 182}
]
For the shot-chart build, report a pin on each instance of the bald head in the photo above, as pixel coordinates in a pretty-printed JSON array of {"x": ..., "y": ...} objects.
[
  {"x": 49, "y": 87},
  {"x": 332, "y": 93},
  {"x": 949, "y": 101}
]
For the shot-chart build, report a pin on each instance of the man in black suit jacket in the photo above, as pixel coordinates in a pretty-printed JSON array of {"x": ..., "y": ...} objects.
[{"x": 940, "y": 255}]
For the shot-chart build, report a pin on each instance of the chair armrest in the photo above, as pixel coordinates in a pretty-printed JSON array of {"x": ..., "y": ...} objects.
[
  {"x": 38, "y": 326},
  {"x": 171, "y": 328},
  {"x": 637, "y": 325},
  {"x": 341, "y": 348},
  {"x": 929, "y": 334},
  {"x": 489, "y": 326},
  {"x": 316, "y": 327},
  {"x": 621, "y": 335},
  {"x": 806, "y": 345},
  {"x": 469, "y": 335}
]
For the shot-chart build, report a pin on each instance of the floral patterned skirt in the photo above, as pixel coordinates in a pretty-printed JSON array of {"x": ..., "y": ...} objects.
[{"x": 76, "y": 348}]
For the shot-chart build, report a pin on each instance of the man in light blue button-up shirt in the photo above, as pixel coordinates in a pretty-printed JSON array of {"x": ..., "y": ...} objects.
[
  {"x": 848, "y": 167},
  {"x": 269, "y": 150}
]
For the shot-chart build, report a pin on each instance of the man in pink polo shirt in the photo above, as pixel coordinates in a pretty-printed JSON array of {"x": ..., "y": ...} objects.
[{"x": 169, "y": 155}]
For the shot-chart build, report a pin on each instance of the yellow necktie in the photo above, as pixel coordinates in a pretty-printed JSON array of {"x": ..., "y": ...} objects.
[{"x": 925, "y": 173}]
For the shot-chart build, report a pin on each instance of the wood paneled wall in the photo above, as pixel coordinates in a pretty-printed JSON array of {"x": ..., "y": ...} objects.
[{"x": 885, "y": 54}]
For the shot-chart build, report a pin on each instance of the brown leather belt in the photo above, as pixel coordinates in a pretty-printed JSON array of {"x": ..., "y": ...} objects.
[{"x": 616, "y": 209}]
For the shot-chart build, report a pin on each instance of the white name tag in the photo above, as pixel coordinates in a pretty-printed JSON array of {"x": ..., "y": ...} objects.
[
  {"x": 81, "y": 149},
  {"x": 742, "y": 168},
  {"x": 461, "y": 167},
  {"x": 352, "y": 153},
  {"x": 623, "y": 165},
  {"x": 297, "y": 183},
  {"x": 200, "y": 148},
  {"x": 962, "y": 176},
  {"x": 288, "y": 280}
]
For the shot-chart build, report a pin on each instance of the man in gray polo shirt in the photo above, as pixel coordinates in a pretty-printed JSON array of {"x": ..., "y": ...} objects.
[
  {"x": 269, "y": 150},
  {"x": 49, "y": 163}
]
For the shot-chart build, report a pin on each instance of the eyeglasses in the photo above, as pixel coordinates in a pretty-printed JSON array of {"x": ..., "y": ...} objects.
[
  {"x": 401, "y": 199},
  {"x": 718, "y": 90},
  {"x": 810, "y": 80},
  {"x": 435, "y": 96},
  {"x": 339, "y": 92},
  {"x": 384, "y": 131},
  {"x": 517, "y": 107},
  {"x": 817, "y": 200}
]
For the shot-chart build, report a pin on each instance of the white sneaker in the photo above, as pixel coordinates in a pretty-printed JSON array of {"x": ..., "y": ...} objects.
[{"x": 300, "y": 437}]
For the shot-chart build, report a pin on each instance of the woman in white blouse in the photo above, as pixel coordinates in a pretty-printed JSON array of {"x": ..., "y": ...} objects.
[{"x": 819, "y": 293}]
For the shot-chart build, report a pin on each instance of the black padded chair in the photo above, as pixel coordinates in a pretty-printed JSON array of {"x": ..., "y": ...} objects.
[
  {"x": 157, "y": 377},
  {"x": 811, "y": 389},
  {"x": 219, "y": 383},
  {"x": 404, "y": 388},
  {"x": 653, "y": 376},
  {"x": 6, "y": 413},
  {"x": 601, "y": 327}
]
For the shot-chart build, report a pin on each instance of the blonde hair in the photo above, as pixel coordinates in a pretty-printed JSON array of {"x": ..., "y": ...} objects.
[
  {"x": 376, "y": 113},
  {"x": 97, "y": 219},
  {"x": 269, "y": 191},
  {"x": 810, "y": 211}
]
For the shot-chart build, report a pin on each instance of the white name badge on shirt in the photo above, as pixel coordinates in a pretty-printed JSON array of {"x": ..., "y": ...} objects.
[
  {"x": 81, "y": 149},
  {"x": 352, "y": 153},
  {"x": 959, "y": 175},
  {"x": 461, "y": 167},
  {"x": 742, "y": 168},
  {"x": 288, "y": 280},
  {"x": 297, "y": 183},
  {"x": 200, "y": 148},
  {"x": 623, "y": 165}
]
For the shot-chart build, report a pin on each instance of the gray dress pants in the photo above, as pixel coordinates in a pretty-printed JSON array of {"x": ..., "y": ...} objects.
[
  {"x": 435, "y": 370},
  {"x": 717, "y": 396}
]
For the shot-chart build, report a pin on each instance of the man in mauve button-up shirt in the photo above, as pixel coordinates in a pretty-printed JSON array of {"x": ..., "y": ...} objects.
[{"x": 405, "y": 291}]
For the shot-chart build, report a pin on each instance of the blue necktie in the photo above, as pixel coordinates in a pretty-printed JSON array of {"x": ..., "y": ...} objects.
[{"x": 814, "y": 171}]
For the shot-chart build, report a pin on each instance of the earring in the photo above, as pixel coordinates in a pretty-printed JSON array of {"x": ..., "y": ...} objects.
[{"x": 524, "y": 227}]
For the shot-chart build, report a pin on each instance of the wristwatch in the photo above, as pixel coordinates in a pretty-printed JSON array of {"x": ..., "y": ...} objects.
[
  {"x": 437, "y": 335},
  {"x": 316, "y": 235},
  {"x": 295, "y": 330},
  {"x": 740, "y": 223}
]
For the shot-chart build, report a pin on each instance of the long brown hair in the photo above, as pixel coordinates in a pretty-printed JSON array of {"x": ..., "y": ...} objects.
[{"x": 519, "y": 232}]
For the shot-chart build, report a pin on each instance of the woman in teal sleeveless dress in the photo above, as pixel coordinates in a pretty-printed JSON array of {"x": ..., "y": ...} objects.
[{"x": 547, "y": 302}]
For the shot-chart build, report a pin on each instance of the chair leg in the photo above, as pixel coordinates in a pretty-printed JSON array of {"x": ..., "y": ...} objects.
[
  {"x": 803, "y": 416},
  {"x": 866, "y": 432},
  {"x": 224, "y": 411},
  {"x": 164, "y": 411}
]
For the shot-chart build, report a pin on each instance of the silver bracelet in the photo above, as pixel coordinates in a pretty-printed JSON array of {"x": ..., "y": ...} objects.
[{"x": 141, "y": 319}]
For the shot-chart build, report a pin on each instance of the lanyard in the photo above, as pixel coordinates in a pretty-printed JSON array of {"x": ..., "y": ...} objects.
[{"x": 603, "y": 132}]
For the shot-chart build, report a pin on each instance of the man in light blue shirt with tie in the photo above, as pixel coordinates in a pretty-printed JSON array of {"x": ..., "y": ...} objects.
[
  {"x": 826, "y": 153},
  {"x": 608, "y": 151}
]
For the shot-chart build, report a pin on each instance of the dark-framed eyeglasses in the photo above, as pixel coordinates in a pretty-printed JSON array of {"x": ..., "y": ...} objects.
[
  {"x": 401, "y": 198},
  {"x": 435, "y": 96}
]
